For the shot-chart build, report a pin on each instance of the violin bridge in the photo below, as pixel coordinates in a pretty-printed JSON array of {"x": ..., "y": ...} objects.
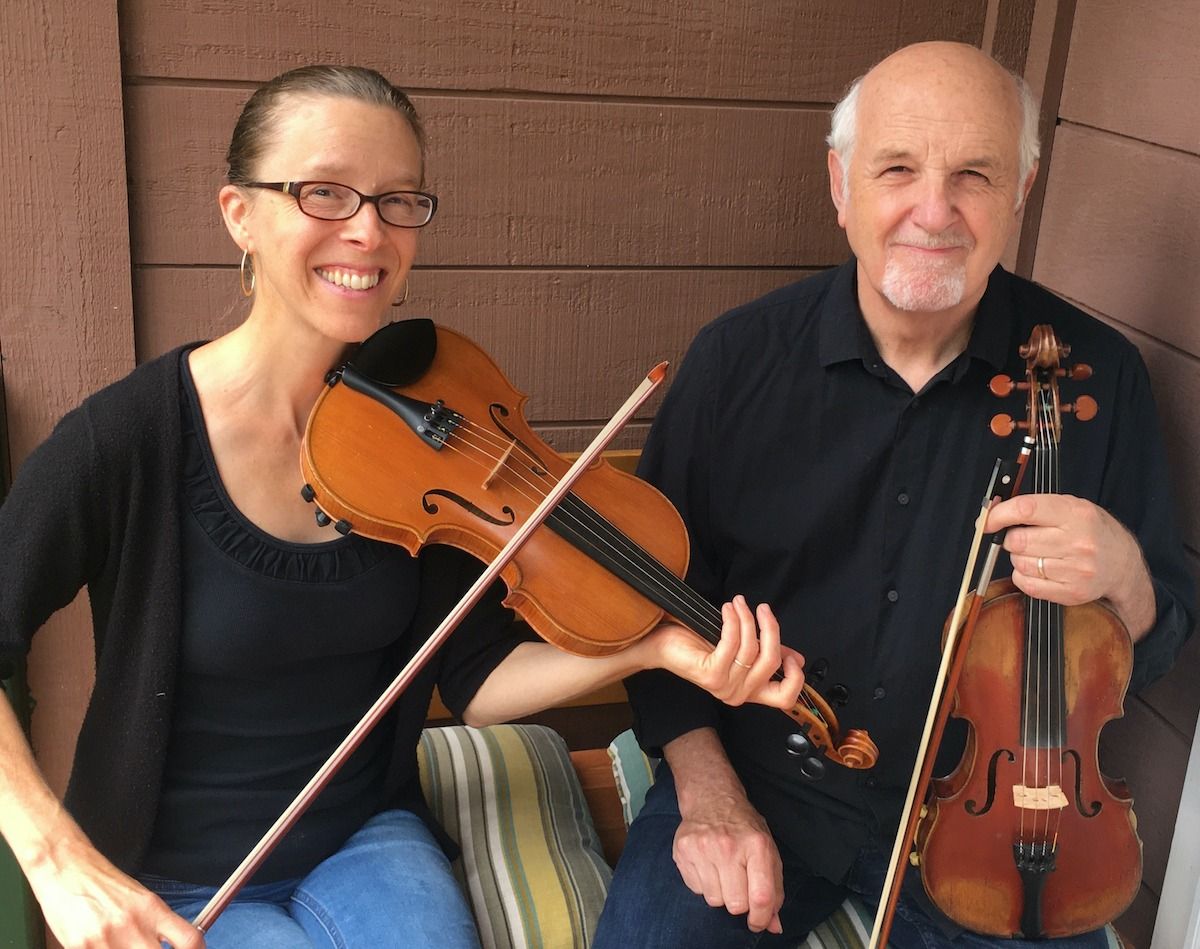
[
  {"x": 1039, "y": 799},
  {"x": 491, "y": 476}
]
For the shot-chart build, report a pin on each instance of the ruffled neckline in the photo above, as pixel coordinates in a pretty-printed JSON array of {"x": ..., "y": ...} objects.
[{"x": 235, "y": 535}]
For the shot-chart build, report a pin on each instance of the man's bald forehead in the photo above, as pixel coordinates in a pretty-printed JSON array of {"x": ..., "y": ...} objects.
[{"x": 956, "y": 65}]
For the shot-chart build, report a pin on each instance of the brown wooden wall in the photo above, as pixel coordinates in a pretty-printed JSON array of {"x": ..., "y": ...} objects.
[
  {"x": 1120, "y": 236},
  {"x": 613, "y": 174}
]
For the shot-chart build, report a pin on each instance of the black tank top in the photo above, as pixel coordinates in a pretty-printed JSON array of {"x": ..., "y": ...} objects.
[{"x": 284, "y": 647}]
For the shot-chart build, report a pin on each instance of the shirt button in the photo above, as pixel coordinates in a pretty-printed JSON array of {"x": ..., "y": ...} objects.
[
  {"x": 893, "y": 596},
  {"x": 903, "y": 498},
  {"x": 879, "y": 692},
  {"x": 870, "y": 782}
]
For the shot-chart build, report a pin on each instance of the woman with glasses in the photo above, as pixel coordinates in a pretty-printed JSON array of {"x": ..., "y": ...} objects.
[{"x": 236, "y": 643}]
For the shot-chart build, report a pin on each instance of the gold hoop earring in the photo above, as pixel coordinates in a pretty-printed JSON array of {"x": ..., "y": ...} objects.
[
  {"x": 403, "y": 299},
  {"x": 247, "y": 291}
]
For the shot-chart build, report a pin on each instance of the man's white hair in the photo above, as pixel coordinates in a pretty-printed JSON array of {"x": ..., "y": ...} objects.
[{"x": 843, "y": 127}]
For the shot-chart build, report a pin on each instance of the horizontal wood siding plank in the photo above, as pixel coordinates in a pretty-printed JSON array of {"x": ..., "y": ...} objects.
[
  {"x": 577, "y": 342},
  {"x": 1120, "y": 232},
  {"x": 775, "y": 50},
  {"x": 541, "y": 183},
  {"x": 1133, "y": 70}
]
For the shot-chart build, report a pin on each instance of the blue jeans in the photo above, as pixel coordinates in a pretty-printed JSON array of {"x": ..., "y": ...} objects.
[
  {"x": 650, "y": 907},
  {"x": 389, "y": 885}
]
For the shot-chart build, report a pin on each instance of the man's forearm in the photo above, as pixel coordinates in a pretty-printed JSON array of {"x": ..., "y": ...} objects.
[{"x": 702, "y": 771}]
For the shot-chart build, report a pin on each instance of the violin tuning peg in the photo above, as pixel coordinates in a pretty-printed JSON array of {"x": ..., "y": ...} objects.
[
  {"x": 1081, "y": 371},
  {"x": 1085, "y": 408},
  {"x": 323, "y": 519},
  {"x": 1001, "y": 386},
  {"x": 812, "y": 768},
  {"x": 1003, "y": 425},
  {"x": 798, "y": 744},
  {"x": 308, "y": 493}
]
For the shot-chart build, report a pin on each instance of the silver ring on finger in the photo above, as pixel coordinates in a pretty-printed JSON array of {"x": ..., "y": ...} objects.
[{"x": 738, "y": 662}]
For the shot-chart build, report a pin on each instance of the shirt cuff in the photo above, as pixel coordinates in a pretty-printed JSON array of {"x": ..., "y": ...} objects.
[
  {"x": 1154, "y": 654},
  {"x": 665, "y": 707}
]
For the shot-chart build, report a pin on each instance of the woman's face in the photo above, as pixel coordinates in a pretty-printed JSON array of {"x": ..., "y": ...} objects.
[{"x": 339, "y": 277}]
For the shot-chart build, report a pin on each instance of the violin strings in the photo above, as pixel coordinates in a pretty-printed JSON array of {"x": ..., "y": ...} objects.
[
  {"x": 687, "y": 606},
  {"x": 1031, "y": 721},
  {"x": 1044, "y": 672},
  {"x": 604, "y": 535}
]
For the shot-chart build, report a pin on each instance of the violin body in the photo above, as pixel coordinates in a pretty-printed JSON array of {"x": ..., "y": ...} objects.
[
  {"x": 372, "y": 473},
  {"x": 1026, "y": 837}
]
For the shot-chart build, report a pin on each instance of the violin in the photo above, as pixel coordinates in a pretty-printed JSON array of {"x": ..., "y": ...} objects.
[
  {"x": 1026, "y": 837},
  {"x": 420, "y": 439}
]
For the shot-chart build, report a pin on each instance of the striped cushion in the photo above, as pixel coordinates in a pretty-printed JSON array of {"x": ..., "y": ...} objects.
[
  {"x": 633, "y": 772},
  {"x": 531, "y": 866}
]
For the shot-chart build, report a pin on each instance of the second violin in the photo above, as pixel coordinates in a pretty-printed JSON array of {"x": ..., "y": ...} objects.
[{"x": 1027, "y": 837}]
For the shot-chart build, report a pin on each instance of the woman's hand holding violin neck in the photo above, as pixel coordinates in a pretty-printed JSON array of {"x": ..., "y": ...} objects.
[
  {"x": 90, "y": 904},
  {"x": 741, "y": 667}
]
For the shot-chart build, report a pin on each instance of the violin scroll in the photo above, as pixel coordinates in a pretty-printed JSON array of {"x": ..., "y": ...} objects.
[{"x": 1043, "y": 355}]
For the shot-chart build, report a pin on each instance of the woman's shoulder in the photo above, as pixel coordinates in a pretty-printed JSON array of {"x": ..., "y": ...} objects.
[
  {"x": 135, "y": 419},
  {"x": 140, "y": 404}
]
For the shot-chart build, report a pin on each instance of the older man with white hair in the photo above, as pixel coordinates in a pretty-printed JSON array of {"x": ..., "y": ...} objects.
[{"x": 827, "y": 446}]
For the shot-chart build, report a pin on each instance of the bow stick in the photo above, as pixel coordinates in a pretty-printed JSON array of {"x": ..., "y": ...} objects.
[
  {"x": 953, "y": 654},
  {"x": 375, "y": 713}
]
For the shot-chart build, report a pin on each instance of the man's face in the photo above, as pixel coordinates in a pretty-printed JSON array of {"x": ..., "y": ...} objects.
[{"x": 933, "y": 181}]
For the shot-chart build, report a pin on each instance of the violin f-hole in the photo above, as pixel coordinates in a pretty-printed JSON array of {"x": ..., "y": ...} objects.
[
  {"x": 970, "y": 806},
  {"x": 1079, "y": 806},
  {"x": 497, "y": 410},
  {"x": 431, "y": 507}
]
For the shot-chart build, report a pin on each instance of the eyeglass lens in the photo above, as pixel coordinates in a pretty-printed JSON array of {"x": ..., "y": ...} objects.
[{"x": 334, "y": 202}]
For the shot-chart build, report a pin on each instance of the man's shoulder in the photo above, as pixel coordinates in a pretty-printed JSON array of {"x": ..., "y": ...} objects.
[
  {"x": 1083, "y": 332},
  {"x": 786, "y": 312}
]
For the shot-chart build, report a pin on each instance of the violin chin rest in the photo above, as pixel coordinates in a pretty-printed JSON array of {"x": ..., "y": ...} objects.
[{"x": 397, "y": 354}]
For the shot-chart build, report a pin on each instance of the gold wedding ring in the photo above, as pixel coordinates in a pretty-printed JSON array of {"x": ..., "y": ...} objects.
[{"x": 1041, "y": 565}]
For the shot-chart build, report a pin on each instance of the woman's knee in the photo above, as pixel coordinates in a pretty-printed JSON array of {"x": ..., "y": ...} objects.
[{"x": 390, "y": 884}]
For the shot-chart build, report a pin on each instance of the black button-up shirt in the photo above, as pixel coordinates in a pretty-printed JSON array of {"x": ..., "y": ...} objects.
[{"x": 811, "y": 477}]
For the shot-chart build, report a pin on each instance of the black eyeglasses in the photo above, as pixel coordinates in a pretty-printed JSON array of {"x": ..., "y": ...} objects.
[{"x": 331, "y": 201}]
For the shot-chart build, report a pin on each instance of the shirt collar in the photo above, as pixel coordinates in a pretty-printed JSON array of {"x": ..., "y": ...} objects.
[{"x": 844, "y": 336}]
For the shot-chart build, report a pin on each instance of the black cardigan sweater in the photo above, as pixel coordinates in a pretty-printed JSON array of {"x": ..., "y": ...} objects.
[{"x": 98, "y": 505}]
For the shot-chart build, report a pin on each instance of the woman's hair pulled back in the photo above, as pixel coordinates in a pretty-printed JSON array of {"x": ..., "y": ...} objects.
[{"x": 260, "y": 115}]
